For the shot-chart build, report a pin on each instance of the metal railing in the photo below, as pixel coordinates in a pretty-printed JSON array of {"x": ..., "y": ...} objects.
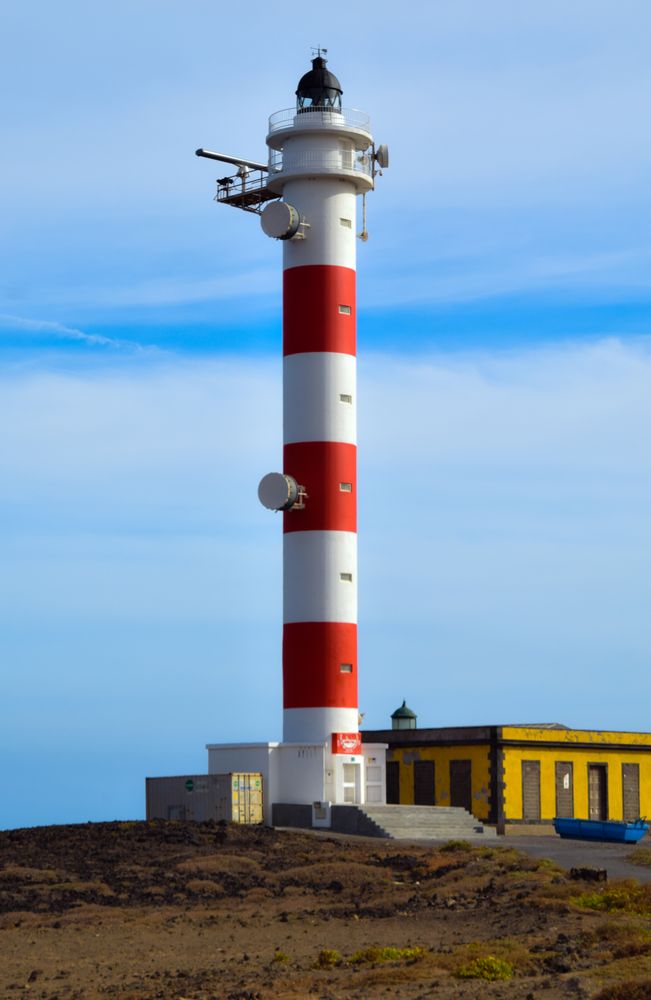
[
  {"x": 314, "y": 117},
  {"x": 245, "y": 189},
  {"x": 326, "y": 160}
]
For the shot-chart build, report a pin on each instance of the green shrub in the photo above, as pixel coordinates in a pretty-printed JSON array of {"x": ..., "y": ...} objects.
[
  {"x": 489, "y": 967},
  {"x": 374, "y": 955},
  {"x": 625, "y": 897},
  {"x": 328, "y": 957},
  {"x": 280, "y": 957}
]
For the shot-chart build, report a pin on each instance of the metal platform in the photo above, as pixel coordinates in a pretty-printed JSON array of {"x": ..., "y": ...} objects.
[{"x": 248, "y": 192}]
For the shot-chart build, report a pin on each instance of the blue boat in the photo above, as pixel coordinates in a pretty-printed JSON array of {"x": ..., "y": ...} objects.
[{"x": 592, "y": 829}]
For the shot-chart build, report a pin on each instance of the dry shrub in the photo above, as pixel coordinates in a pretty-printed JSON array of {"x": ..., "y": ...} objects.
[
  {"x": 626, "y": 991},
  {"x": 96, "y": 888},
  {"x": 641, "y": 856},
  {"x": 456, "y": 847},
  {"x": 204, "y": 887},
  {"x": 19, "y": 873},
  {"x": 618, "y": 934},
  {"x": 337, "y": 877},
  {"x": 220, "y": 864}
]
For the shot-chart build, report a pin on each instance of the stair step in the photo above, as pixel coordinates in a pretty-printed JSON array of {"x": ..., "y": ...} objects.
[{"x": 423, "y": 822}]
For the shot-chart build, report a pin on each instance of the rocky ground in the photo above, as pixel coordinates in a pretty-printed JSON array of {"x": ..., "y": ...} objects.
[{"x": 219, "y": 912}]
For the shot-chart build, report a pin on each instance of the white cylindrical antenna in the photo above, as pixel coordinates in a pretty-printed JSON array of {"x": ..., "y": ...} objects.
[{"x": 235, "y": 160}]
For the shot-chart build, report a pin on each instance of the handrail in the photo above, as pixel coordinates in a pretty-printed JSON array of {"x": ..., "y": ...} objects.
[
  {"x": 240, "y": 187},
  {"x": 334, "y": 160},
  {"x": 313, "y": 117}
]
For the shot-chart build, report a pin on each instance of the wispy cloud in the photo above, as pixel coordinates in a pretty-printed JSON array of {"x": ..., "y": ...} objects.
[{"x": 58, "y": 331}]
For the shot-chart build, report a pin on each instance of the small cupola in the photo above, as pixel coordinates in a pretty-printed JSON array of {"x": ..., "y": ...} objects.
[
  {"x": 319, "y": 88},
  {"x": 403, "y": 718}
]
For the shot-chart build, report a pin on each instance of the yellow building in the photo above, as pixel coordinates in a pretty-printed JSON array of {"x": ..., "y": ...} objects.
[{"x": 518, "y": 776}]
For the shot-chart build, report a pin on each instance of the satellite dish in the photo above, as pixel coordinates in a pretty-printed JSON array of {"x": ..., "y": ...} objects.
[
  {"x": 277, "y": 491},
  {"x": 280, "y": 220},
  {"x": 382, "y": 155}
]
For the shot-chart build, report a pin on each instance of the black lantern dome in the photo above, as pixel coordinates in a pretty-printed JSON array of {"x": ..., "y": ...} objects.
[{"x": 319, "y": 88}]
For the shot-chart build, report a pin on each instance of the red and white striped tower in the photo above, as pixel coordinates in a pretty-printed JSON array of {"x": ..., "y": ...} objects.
[{"x": 321, "y": 158}]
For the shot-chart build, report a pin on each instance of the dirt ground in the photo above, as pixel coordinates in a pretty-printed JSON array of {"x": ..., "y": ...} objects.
[{"x": 220, "y": 912}]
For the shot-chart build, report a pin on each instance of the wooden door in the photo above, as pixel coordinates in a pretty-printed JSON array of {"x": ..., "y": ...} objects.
[
  {"x": 564, "y": 789},
  {"x": 631, "y": 792},
  {"x": 424, "y": 782},
  {"x": 531, "y": 790},
  {"x": 461, "y": 784},
  {"x": 393, "y": 781},
  {"x": 597, "y": 792}
]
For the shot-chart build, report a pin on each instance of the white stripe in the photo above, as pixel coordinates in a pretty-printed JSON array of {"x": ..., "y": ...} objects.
[
  {"x": 323, "y": 203},
  {"x": 313, "y": 385},
  {"x": 313, "y": 590},
  {"x": 313, "y": 725}
]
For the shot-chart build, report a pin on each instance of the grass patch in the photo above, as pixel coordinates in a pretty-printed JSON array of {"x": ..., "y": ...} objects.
[
  {"x": 373, "y": 956},
  {"x": 280, "y": 958},
  {"x": 641, "y": 856},
  {"x": 627, "y": 991},
  {"x": 454, "y": 846},
  {"x": 470, "y": 957},
  {"x": 489, "y": 967},
  {"x": 622, "y": 897}
]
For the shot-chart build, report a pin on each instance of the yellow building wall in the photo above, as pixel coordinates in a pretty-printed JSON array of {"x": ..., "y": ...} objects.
[
  {"x": 602, "y": 751},
  {"x": 477, "y": 754}
]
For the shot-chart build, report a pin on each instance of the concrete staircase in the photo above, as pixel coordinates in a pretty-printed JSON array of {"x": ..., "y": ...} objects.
[{"x": 410, "y": 822}]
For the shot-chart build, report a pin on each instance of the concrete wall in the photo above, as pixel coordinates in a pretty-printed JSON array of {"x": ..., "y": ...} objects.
[{"x": 300, "y": 773}]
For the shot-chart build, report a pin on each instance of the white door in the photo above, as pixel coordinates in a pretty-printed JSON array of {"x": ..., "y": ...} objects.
[{"x": 351, "y": 782}]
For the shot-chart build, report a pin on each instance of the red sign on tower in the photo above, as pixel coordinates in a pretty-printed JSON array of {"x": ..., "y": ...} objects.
[{"x": 350, "y": 743}]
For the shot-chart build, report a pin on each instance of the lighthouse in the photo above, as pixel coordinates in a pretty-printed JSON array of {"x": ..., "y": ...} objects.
[{"x": 321, "y": 159}]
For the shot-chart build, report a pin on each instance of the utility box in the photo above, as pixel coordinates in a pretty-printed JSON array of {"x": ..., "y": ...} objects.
[{"x": 235, "y": 797}]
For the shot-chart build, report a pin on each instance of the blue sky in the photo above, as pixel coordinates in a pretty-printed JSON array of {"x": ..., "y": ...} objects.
[{"x": 505, "y": 379}]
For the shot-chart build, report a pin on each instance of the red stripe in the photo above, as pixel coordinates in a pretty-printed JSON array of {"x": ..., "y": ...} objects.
[
  {"x": 311, "y": 319},
  {"x": 312, "y": 656},
  {"x": 321, "y": 467}
]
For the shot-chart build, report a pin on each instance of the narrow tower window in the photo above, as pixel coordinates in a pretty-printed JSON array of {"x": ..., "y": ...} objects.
[
  {"x": 346, "y": 223},
  {"x": 345, "y": 397},
  {"x": 346, "y": 577},
  {"x": 346, "y": 668},
  {"x": 346, "y": 487},
  {"x": 345, "y": 310}
]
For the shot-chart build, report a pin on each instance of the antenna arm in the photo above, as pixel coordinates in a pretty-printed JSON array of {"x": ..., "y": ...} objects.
[{"x": 235, "y": 160}]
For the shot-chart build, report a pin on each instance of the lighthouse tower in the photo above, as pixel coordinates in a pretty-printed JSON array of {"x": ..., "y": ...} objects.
[
  {"x": 321, "y": 157},
  {"x": 319, "y": 164}
]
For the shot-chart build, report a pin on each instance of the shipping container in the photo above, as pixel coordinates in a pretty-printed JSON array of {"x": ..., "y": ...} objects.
[{"x": 235, "y": 797}]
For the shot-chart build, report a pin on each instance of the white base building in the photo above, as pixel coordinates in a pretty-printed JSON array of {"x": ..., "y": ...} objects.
[{"x": 306, "y": 773}]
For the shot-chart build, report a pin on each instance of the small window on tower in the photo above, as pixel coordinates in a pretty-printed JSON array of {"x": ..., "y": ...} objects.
[
  {"x": 345, "y": 397},
  {"x": 346, "y": 223},
  {"x": 346, "y": 577},
  {"x": 346, "y": 668},
  {"x": 345, "y": 310},
  {"x": 346, "y": 487}
]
